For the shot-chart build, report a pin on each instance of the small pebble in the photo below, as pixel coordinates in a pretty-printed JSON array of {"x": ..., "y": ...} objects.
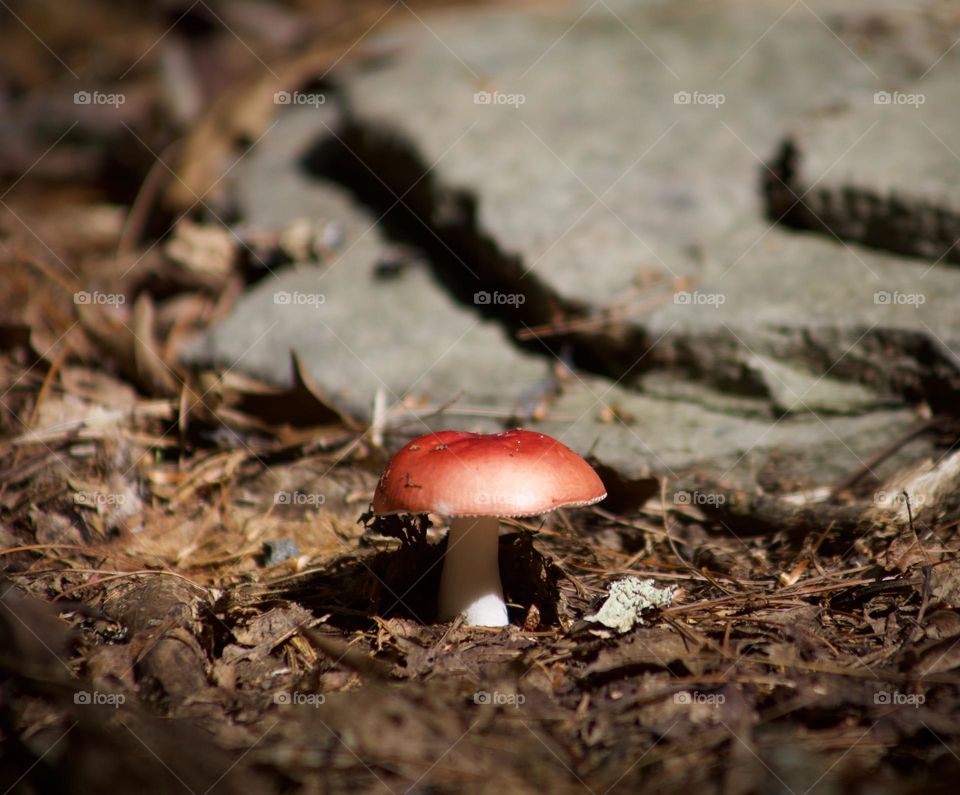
[{"x": 275, "y": 552}]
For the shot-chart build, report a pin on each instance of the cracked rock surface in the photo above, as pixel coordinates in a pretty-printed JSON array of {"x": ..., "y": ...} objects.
[
  {"x": 597, "y": 171},
  {"x": 897, "y": 191},
  {"x": 357, "y": 329}
]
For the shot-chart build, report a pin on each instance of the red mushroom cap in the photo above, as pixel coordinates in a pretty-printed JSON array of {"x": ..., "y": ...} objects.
[{"x": 515, "y": 473}]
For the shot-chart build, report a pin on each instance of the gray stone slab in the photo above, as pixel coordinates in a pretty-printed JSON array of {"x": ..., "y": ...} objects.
[
  {"x": 608, "y": 138},
  {"x": 883, "y": 172},
  {"x": 679, "y": 438},
  {"x": 355, "y": 332},
  {"x": 608, "y": 142},
  {"x": 790, "y": 378},
  {"x": 791, "y": 308}
]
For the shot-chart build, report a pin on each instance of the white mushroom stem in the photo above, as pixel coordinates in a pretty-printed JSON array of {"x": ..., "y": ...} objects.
[{"x": 470, "y": 583}]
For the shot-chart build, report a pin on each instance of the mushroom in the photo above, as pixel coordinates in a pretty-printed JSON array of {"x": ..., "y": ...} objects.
[{"x": 475, "y": 478}]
